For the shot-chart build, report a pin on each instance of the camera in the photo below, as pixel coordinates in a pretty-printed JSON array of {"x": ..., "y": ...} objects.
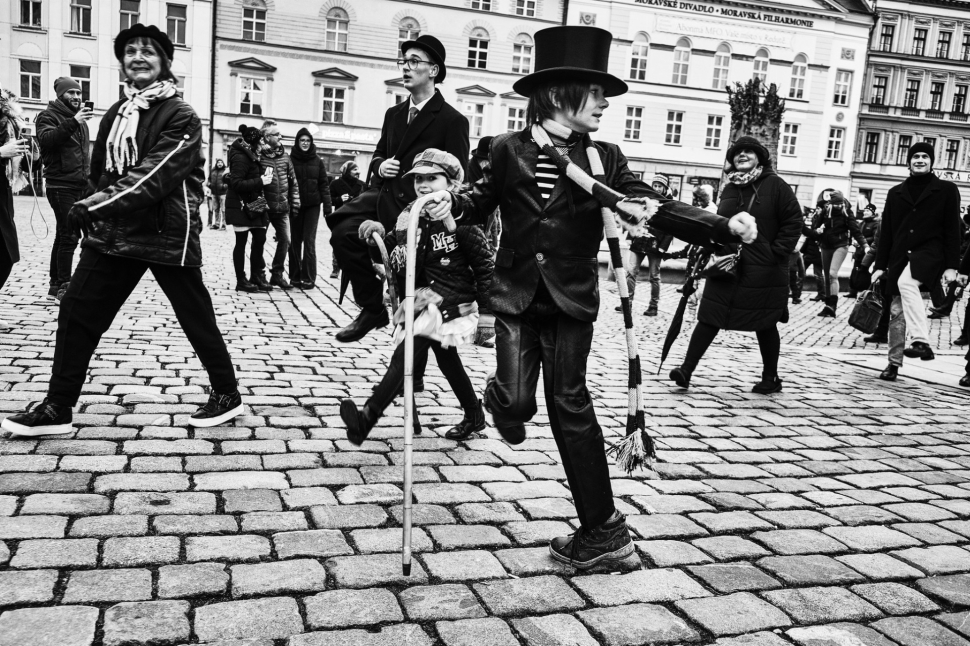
[
  {"x": 89, "y": 105},
  {"x": 27, "y": 130}
]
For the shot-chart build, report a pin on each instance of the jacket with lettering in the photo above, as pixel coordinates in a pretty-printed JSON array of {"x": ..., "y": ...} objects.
[
  {"x": 64, "y": 144},
  {"x": 151, "y": 211}
]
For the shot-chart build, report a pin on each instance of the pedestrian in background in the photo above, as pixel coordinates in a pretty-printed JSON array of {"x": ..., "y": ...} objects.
[
  {"x": 12, "y": 150},
  {"x": 283, "y": 196},
  {"x": 346, "y": 187},
  {"x": 218, "y": 189},
  {"x": 314, "y": 190},
  {"x": 834, "y": 225},
  {"x": 651, "y": 246},
  {"x": 919, "y": 242},
  {"x": 247, "y": 181},
  {"x": 62, "y": 132},
  {"x": 811, "y": 254},
  {"x": 860, "y": 276}
]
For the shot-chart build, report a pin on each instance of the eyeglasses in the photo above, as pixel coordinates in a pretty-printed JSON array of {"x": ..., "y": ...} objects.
[{"x": 411, "y": 63}]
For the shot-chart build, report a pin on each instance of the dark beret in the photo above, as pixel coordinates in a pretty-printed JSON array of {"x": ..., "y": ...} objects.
[{"x": 143, "y": 31}]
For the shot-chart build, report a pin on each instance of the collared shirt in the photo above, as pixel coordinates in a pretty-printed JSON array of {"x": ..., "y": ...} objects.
[{"x": 420, "y": 106}]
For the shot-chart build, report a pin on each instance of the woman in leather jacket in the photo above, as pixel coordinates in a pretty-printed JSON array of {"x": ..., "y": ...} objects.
[{"x": 834, "y": 227}]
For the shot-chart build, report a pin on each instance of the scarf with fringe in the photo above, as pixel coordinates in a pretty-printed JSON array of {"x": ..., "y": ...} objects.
[
  {"x": 743, "y": 179},
  {"x": 122, "y": 138},
  {"x": 10, "y": 113}
]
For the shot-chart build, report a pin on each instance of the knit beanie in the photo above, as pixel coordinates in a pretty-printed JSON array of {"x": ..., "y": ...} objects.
[
  {"x": 63, "y": 84},
  {"x": 921, "y": 147},
  {"x": 250, "y": 135},
  {"x": 662, "y": 179}
]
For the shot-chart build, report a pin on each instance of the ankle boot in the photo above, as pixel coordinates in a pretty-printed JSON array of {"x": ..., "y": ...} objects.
[
  {"x": 472, "y": 422},
  {"x": 767, "y": 385},
  {"x": 890, "y": 373},
  {"x": 359, "y": 422},
  {"x": 831, "y": 302},
  {"x": 681, "y": 376}
]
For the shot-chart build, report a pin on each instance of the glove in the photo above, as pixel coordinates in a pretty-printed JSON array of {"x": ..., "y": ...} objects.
[
  {"x": 367, "y": 230},
  {"x": 79, "y": 219}
]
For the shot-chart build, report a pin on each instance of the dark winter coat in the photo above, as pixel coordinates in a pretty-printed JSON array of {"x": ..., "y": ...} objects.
[
  {"x": 217, "y": 181},
  {"x": 64, "y": 146},
  {"x": 924, "y": 234},
  {"x": 557, "y": 240},
  {"x": 457, "y": 266},
  {"x": 245, "y": 185},
  {"x": 311, "y": 175},
  {"x": 757, "y": 298},
  {"x": 344, "y": 186},
  {"x": 151, "y": 211},
  {"x": 834, "y": 227},
  {"x": 8, "y": 228},
  {"x": 282, "y": 194}
]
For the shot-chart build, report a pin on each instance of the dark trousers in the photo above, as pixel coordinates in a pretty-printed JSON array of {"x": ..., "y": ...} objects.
[
  {"x": 256, "y": 262},
  {"x": 303, "y": 244},
  {"x": 353, "y": 255},
  {"x": 6, "y": 262},
  {"x": 65, "y": 240},
  {"x": 560, "y": 345},
  {"x": 281, "y": 230},
  {"x": 449, "y": 362},
  {"x": 100, "y": 286},
  {"x": 769, "y": 342},
  {"x": 796, "y": 274}
]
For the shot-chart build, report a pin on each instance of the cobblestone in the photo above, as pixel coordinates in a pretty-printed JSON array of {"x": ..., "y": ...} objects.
[
  {"x": 64, "y": 626},
  {"x": 156, "y": 622},
  {"x": 345, "y": 608}
]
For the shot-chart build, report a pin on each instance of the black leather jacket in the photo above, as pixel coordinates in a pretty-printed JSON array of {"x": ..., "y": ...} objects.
[
  {"x": 151, "y": 211},
  {"x": 64, "y": 145}
]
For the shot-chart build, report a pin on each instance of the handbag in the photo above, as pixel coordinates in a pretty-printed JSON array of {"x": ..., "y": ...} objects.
[
  {"x": 867, "y": 310},
  {"x": 726, "y": 265},
  {"x": 257, "y": 207},
  {"x": 860, "y": 278}
]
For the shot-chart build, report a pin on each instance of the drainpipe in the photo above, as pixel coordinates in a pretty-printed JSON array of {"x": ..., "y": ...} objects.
[
  {"x": 212, "y": 82},
  {"x": 565, "y": 10}
]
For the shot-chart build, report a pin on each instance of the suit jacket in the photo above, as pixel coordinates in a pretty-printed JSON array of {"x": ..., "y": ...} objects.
[
  {"x": 926, "y": 234},
  {"x": 437, "y": 125},
  {"x": 558, "y": 240}
]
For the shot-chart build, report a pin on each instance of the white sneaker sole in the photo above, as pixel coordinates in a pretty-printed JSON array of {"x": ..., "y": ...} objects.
[
  {"x": 36, "y": 431},
  {"x": 616, "y": 555},
  {"x": 216, "y": 421}
]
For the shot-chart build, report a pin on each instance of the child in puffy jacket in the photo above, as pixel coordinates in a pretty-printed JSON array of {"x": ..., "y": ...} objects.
[{"x": 452, "y": 277}]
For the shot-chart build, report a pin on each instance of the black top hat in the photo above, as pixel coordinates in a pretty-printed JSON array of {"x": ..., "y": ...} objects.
[
  {"x": 572, "y": 53},
  {"x": 144, "y": 31},
  {"x": 433, "y": 48}
]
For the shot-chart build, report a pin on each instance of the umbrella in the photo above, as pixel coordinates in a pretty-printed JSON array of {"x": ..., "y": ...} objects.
[
  {"x": 689, "y": 288},
  {"x": 391, "y": 289}
]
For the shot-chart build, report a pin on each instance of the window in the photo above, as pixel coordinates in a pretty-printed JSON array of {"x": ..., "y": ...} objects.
[
  {"x": 789, "y": 137},
  {"x": 886, "y": 38},
  {"x": 638, "y": 59},
  {"x": 879, "y": 85},
  {"x": 122, "y": 82},
  {"x": 522, "y": 54},
  {"x": 81, "y": 16},
  {"x": 484, "y": 5},
  {"x": 251, "y": 96},
  {"x": 836, "y": 136},
  {"x": 761, "y": 65},
  {"x": 870, "y": 154},
  {"x": 180, "y": 86},
  {"x": 936, "y": 96},
  {"x": 919, "y": 42},
  {"x": 902, "y": 149},
  {"x": 409, "y": 29},
  {"x": 843, "y": 81},
  {"x": 960, "y": 99},
  {"x": 965, "y": 49},
  {"x": 634, "y": 121},
  {"x": 799, "y": 71},
  {"x": 334, "y": 104},
  {"x": 475, "y": 113},
  {"x": 338, "y": 23},
  {"x": 943, "y": 44},
  {"x": 525, "y": 8},
  {"x": 675, "y": 123},
  {"x": 30, "y": 13},
  {"x": 30, "y": 80},
  {"x": 130, "y": 13},
  {"x": 681, "y": 62},
  {"x": 931, "y": 141},
  {"x": 175, "y": 21},
  {"x": 82, "y": 74},
  {"x": 911, "y": 99},
  {"x": 478, "y": 49},
  {"x": 713, "y": 137},
  {"x": 952, "y": 153},
  {"x": 254, "y": 24},
  {"x": 516, "y": 119},
  {"x": 722, "y": 63}
]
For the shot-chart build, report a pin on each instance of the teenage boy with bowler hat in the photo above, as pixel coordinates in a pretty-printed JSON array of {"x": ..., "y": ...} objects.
[
  {"x": 919, "y": 242},
  {"x": 424, "y": 121},
  {"x": 62, "y": 132},
  {"x": 545, "y": 287}
]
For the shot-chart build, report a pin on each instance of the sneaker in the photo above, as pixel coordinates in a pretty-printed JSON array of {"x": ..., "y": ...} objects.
[
  {"x": 470, "y": 423},
  {"x": 280, "y": 282},
  {"x": 52, "y": 292},
  {"x": 587, "y": 547},
  {"x": 46, "y": 418},
  {"x": 919, "y": 350},
  {"x": 218, "y": 410}
]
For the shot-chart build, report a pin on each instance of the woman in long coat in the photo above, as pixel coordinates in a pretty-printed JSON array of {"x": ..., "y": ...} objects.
[
  {"x": 756, "y": 299},
  {"x": 12, "y": 149}
]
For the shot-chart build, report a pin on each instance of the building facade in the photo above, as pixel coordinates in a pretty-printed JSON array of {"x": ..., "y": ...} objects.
[
  {"x": 41, "y": 40},
  {"x": 916, "y": 89},
  {"x": 331, "y": 65},
  {"x": 678, "y": 56}
]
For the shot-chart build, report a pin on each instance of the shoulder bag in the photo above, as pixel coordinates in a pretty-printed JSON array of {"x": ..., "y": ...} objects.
[{"x": 727, "y": 264}]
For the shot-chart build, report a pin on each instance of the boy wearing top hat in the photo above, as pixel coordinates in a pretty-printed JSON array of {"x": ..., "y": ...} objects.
[{"x": 545, "y": 292}]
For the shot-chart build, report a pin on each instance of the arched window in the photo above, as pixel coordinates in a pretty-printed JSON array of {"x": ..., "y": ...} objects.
[
  {"x": 761, "y": 65},
  {"x": 478, "y": 49},
  {"x": 408, "y": 29},
  {"x": 638, "y": 58},
  {"x": 338, "y": 23},
  {"x": 522, "y": 54},
  {"x": 681, "y": 62},
  {"x": 722, "y": 64},
  {"x": 799, "y": 70}
]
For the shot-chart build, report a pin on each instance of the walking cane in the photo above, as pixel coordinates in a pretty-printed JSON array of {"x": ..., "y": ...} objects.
[{"x": 391, "y": 287}]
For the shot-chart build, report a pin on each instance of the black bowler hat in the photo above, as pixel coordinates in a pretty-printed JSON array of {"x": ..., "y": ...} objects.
[
  {"x": 143, "y": 31},
  {"x": 433, "y": 48},
  {"x": 572, "y": 54}
]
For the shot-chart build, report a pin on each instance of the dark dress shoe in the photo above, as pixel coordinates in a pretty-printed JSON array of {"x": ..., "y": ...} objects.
[
  {"x": 280, "y": 282},
  {"x": 359, "y": 422},
  {"x": 818, "y": 297},
  {"x": 262, "y": 284},
  {"x": 512, "y": 433},
  {"x": 796, "y": 301},
  {"x": 876, "y": 338},
  {"x": 364, "y": 323},
  {"x": 767, "y": 385},
  {"x": 471, "y": 423},
  {"x": 965, "y": 380},
  {"x": 246, "y": 286},
  {"x": 681, "y": 376},
  {"x": 919, "y": 350},
  {"x": 306, "y": 284},
  {"x": 890, "y": 373},
  {"x": 938, "y": 314},
  {"x": 961, "y": 340}
]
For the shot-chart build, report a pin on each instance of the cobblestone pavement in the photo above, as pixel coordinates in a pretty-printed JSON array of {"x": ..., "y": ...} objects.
[{"x": 836, "y": 513}]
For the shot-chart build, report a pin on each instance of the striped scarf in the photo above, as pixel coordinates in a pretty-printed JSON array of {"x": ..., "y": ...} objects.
[{"x": 122, "y": 138}]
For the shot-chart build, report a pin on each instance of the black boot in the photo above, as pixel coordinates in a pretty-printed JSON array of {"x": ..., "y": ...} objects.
[
  {"x": 890, "y": 373},
  {"x": 919, "y": 350},
  {"x": 961, "y": 340},
  {"x": 681, "y": 376},
  {"x": 364, "y": 323},
  {"x": 587, "y": 547},
  {"x": 877, "y": 337},
  {"x": 260, "y": 281},
  {"x": 359, "y": 422},
  {"x": 965, "y": 380},
  {"x": 472, "y": 422},
  {"x": 244, "y": 285},
  {"x": 767, "y": 385},
  {"x": 831, "y": 302}
]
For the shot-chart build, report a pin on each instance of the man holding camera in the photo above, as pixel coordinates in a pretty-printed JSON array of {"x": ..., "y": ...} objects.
[{"x": 62, "y": 132}]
